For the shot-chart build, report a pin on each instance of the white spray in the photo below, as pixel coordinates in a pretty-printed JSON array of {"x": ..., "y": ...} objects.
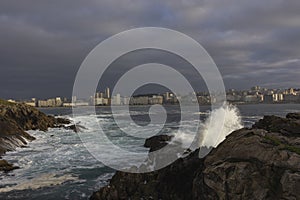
[{"x": 220, "y": 123}]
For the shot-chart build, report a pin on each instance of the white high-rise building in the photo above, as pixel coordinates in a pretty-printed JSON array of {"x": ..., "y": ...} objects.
[
  {"x": 116, "y": 100},
  {"x": 107, "y": 93}
]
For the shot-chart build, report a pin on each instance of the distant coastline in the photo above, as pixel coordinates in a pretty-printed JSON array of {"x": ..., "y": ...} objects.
[{"x": 255, "y": 95}]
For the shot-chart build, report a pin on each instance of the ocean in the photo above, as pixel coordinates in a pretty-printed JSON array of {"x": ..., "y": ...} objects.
[{"x": 57, "y": 165}]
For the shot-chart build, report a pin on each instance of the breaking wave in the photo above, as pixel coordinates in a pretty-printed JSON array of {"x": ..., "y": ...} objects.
[{"x": 228, "y": 116}]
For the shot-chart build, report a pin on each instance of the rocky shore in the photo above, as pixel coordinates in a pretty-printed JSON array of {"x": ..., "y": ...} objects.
[
  {"x": 262, "y": 162},
  {"x": 15, "y": 120}
]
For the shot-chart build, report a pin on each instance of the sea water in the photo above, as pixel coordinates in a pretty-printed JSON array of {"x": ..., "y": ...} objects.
[{"x": 58, "y": 166}]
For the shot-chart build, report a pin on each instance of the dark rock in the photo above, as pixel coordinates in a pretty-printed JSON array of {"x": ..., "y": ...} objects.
[
  {"x": 250, "y": 164},
  {"x": 11, "y": 135},
  {"x": 16, "y": 118},
  {"x": 6, "y": 167},
  {"x": 173, "y": 182},
  {"x": 75, "y": 127},
  {"x": 293, "y": 116},
  {"x": 62, "y": 121},
  {"x": 29, "y": 118},
  {"x": 157, "y": 142},
  {"x": 286, "y": 126},
  {"x": 257, "y": 163}
]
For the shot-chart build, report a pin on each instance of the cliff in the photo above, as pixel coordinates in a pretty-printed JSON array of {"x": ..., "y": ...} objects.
[
  {"x": 15, "y": 119},
  {"x": 262, "y": 162}
]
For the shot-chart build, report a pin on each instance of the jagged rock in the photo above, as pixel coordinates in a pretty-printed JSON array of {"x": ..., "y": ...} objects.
[
  {"x": 12, "y": 135},
  {"x": 250, "y": 164},
  {"x": 262, "y": 162},
  {"x": 75, "y": 127},
  {"x": 157, "y": 142},
  {"x": 286, "y": 126},
  {"x": 5, "y": 166},
  {"x": 15, "y": 119},
  {"x": 29, "y": 118},
  {"x": 172, "y": 182},
  {"x": 293, "y": 116}
]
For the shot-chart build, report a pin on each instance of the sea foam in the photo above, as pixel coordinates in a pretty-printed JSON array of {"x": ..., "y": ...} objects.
[{"x": 220, "y": 123}]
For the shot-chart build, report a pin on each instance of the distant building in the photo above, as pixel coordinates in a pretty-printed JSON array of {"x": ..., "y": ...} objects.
[
  {"x": 11, "y": 101},
  {"x": 170, "y": 98},
  {"x": 233, "y": 97},
  {"x": 155, "y": 100},
  {"x": 256, "y": 98},
  {"x": 116, "y": 100},
  {"x": 291, "y": 98},
  {"x": 140, "y": 100},
  {"x": 107, "y": 93},
  {"x": 101, "y": 101},
  {"x": 125, "y": 100},
  {"x": 58, "y": 101},
  {"x": 30, "y": 103},
  {"x": 81, "y": 103},
  {"x": 42, "y": 103},
  {"x": 271, "y": 98},
  {"x": 54, "y": 102},
  {"x": 256, "y": 88},
  {"x": 68, "y": 104}
]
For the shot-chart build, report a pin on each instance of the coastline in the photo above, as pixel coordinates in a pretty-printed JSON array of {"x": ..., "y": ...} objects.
[
  {"x": 233, "y": 103},
  {"x": 261, "y": 162},
  {"x": 15, "y": 120},
  {"x": 188, "y": 169}
]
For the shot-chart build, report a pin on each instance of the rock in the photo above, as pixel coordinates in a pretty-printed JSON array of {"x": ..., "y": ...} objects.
[
  {"x": 11, "y": 135},
  {"x": 15, "y": 119},
  {"x": 173, "y": 182},
  {"x": 62, "y": 121},
  {"x": 29, "y": 118},
  {"x": 75, "y": 127},
  {"x": 6, "y": 167},
  {"x": 261, "y": 162},
  {"x": 157, "y": 142},
  {"x": 250, "y": 164},
  {"x": 293, "y": 116},
  {"x": 286, "y": 126}
]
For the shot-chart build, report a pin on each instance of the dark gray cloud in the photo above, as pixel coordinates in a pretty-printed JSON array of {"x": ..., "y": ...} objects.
[{"x": 42, "y": 43}]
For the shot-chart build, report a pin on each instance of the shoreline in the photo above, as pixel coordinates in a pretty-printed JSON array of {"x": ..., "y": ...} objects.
[
  {"x": 261, "y": 162},
  {"x": 236, "y": 104},
  {"x": 184, "y": 171},
  {"x": 15, "y": 120}
]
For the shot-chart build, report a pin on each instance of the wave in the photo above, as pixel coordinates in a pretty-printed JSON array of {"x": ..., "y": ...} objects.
[{"x": 227, "y": 117}]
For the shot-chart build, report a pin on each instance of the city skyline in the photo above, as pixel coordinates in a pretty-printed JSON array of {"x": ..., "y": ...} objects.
[{"x": 255, "y": 94}]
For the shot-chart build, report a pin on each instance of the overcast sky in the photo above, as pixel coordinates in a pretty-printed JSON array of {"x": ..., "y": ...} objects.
[{"x": 42, "y": 43}]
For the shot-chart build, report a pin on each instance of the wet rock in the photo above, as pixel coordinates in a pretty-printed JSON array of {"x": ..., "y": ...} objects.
[
  {"x": 286, "y": 126},
  {"x": 173, "y": 182},
  {"x": 15, "y": 119},
  {"x": 75, "y": 127},
  {"x": 261, "y": 162},
  {"x": 293, "y": 116},
  {"x": 11, "y": 135},
  {"x": 157, "y": 142},
  {"x": 6, "y": 167},
  {"x": 30, "y": 118}
]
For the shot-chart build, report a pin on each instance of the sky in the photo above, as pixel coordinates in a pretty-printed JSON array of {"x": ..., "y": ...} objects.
[{"x": 43, "y": 43}]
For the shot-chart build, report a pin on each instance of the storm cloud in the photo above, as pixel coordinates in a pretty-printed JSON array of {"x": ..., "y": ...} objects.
[{"x": 42, "y": 43}]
